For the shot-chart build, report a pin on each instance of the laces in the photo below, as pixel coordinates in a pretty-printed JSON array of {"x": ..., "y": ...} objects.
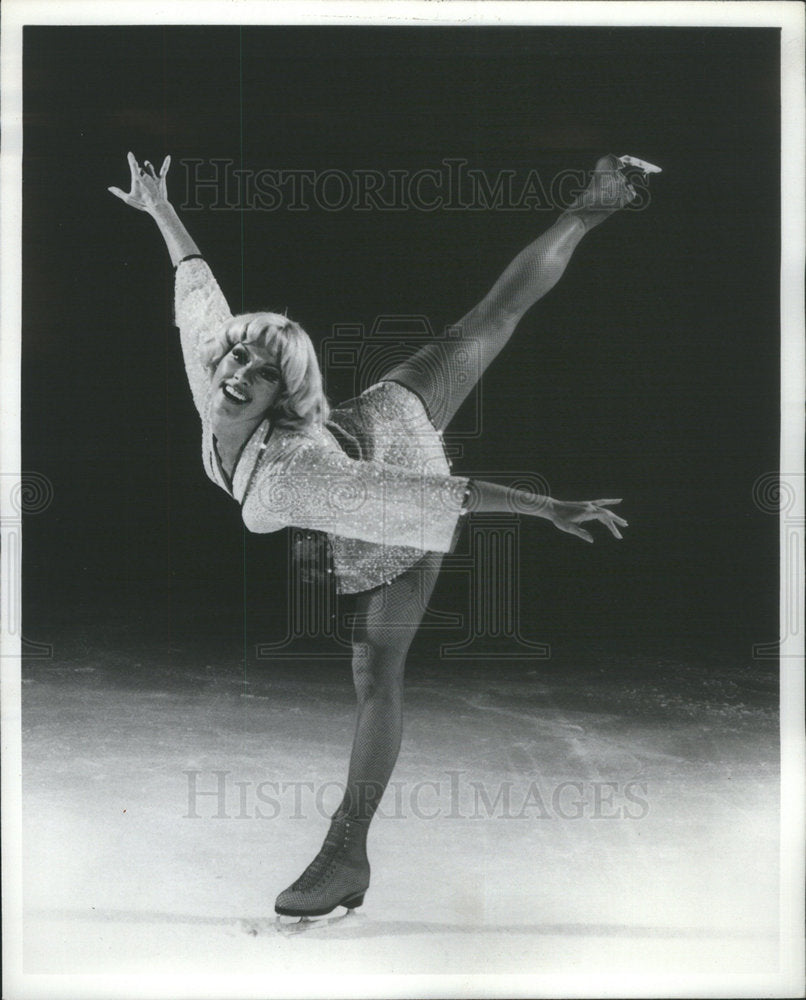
[{"x": 324, "y": 864}]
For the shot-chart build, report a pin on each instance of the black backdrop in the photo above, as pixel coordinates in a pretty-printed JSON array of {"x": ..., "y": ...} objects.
[{"x": 651, "y": 372}]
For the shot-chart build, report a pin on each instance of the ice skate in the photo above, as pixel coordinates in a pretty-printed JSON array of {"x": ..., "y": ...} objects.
[
  {"x": 337, "y": 876},
  {"x": 289, "y": 926},
  {"x": 642, "y": 165},
  {"x": 608, "y": 191}
]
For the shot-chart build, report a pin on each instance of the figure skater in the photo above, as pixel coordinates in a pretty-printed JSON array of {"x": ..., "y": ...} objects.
[{"x": 370, "y": 475}]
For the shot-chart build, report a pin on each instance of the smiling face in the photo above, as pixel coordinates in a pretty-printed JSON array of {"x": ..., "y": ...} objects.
[{"x": 246, "y": 383}]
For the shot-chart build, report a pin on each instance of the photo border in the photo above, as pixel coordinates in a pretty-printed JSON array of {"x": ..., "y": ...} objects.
[{"x": 789, "y": 16}]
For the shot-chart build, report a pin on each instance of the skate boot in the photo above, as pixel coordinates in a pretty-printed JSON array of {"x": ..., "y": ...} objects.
[
  {"x": 337, "y": 876},
  {"x": 610, "y": 188}
]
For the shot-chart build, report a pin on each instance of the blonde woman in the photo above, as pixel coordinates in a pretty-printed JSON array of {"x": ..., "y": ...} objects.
[{"x": 370, "y": 475}]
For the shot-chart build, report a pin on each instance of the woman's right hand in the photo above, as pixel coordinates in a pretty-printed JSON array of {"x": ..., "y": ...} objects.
[{"x": 149, "y": 191}]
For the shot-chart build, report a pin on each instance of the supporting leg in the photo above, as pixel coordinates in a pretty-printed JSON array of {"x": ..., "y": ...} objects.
[{"x": 386, "y": 623}]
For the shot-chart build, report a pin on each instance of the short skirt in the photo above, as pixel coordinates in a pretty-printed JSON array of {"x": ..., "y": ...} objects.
[{"x": 386, "y": 423}]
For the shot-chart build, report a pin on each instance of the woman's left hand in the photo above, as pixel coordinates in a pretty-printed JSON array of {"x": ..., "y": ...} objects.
[
  {"x": 149, "y": 190},
  {"x": 567, "y": 516}
]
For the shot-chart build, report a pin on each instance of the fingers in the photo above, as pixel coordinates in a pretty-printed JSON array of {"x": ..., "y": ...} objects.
[
  {"x": 595, "y": 511},
  {"x": 572, "y": 529},
  {"x": 163, "y": 174},
  {"x": 134, "y": 167},
  {"x": 147, "y": 168},
  {"x": 592, "y": 510},
  {"x": 146, "y": 183},
  {"x": 618, "y": 520},
  {"x": 610, "y": 521}
]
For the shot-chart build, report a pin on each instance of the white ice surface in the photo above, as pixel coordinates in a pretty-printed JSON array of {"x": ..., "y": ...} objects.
[{"x": 118, "y": 879}]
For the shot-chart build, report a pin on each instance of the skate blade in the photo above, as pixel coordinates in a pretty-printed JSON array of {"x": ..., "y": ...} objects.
[
  {"x": 647, "y": 168},
  {"x": 288, "y": 926}
]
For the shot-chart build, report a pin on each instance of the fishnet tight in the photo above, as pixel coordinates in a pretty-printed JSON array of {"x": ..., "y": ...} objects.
[
  {"x": 443, "y": 372},
  {"x": 387, "y": 619}
]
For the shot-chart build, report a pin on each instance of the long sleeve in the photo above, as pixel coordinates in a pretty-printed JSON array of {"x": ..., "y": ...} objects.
[
  {"x": 323, "y": 489},
  {"x": 200, "y": 310}
]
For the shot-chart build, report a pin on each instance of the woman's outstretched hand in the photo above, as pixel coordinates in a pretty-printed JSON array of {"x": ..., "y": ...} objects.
[
  {"x": 489, "y": 497},
  {"x": 567, "y": 516},
  {"x": 148, "y": 188}
]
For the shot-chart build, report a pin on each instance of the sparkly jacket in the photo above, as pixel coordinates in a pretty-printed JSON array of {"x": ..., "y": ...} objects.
[{"x": 381, "y": 510}]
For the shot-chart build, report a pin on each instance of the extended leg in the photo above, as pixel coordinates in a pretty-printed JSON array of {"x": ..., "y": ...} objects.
[{"x": 444, "y": 372}]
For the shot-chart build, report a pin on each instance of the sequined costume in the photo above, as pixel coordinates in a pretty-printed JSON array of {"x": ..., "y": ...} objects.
[{"x": 382, "y": 505}]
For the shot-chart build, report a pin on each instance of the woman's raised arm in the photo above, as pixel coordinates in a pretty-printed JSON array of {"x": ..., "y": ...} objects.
[
  {"x": 200, "y": 308},
  {"x": 149, "y": 194}
]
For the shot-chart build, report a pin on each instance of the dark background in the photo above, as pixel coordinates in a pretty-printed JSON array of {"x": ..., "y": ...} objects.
[{"x": 650, "y": 372}]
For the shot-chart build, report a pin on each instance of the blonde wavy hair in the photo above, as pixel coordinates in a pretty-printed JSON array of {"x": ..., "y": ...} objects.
[{"x": 302, "y": 402}]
